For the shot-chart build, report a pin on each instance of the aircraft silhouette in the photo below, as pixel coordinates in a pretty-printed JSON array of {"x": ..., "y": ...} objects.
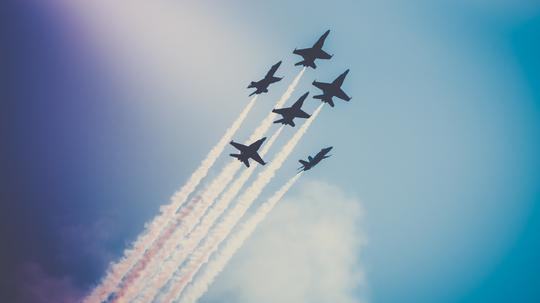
[
  {"x": 333, "y": 89},
  {"x": 315, "y": 52},
  {"x": 295, "y": 111},
  {"x": 247, "y": 152},
  {"x": 312, "y": 161},
  {"x": 262, "y": 85}
]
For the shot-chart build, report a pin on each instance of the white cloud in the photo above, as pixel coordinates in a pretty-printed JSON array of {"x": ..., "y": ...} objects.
[{"x": 307, "y": 250}]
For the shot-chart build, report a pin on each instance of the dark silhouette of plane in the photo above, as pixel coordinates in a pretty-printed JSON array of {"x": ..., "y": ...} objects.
[
  {"x": 315, "y": 52},
  {"x": 262, "y": 85},
  {"x": 333, "y": 89},
  {"x": 295, "y": 111},
  {"x": 312, "y": 161},
  {"x": 247, "y": 152}
]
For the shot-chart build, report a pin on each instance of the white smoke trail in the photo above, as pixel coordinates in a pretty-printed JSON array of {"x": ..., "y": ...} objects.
[
  {"x": 189, "y": 221},
  {"x": 116, "y": 272},
  {"x": 183, "y": 223},
  {"x": 268, "y": 120},
  {"x": 201, "y": 255},
  {"x": 178, "y": 254},
  {"x": 222, "y": 257}
]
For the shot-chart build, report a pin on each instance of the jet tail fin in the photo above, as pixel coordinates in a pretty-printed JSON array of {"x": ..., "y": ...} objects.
[{"x": 303, "y": 167}]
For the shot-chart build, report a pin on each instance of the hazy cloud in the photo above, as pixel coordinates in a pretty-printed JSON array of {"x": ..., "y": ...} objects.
[{"x": 307, "y": 250}]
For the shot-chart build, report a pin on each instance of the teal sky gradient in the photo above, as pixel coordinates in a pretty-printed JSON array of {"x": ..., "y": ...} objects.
[{"x": 440, "y": 141}]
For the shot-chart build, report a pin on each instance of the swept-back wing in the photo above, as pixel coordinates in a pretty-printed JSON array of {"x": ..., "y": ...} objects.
[
  {"x": 342, "y": 95},
  {"x": 257, "y": 144},
  {"x": 322, "y": 85},
  {"x": 302, "y": 52},
  {"x": 319, "y": 44},
  {"x": 258, "y": 158},
  {"x": 240, "y": 147},
  {"x": 302, "y": 114},
  {"x": 339, "y": 80}
]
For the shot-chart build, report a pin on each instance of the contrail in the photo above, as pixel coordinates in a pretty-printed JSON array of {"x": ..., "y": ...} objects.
[
  {"x": 216, "y": 265},
  {"x": 268, "y": 120},
  {"x": 181, "y": 249},
  {"x": 181, "y": 225},
  {"x": 110, "y": 283},
  {"x": 200, "y": 256},
  {"x": 188, "y": 222}
]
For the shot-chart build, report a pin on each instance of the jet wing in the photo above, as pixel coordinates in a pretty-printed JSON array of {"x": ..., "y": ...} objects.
[
  {"x": 273, "y": 69},
  {"x": 257, "y": 144},
  {"x": 342, "y": 95},
  {"x": 301, "y": 114},
  {"x": 300, "y": 101},
  {"x": 302, "y": 52},
  {"x": 319, "y": 44},
  {"x": 281, "y": 111},
  {"x": 339, "y": 80},
  {"x": 324, "y": 55},
  {"x": 322, "y": 85},
  {"x": 274, "y": 79},
  {"x": 240, "y": 147},
  {"x": 258, "y": 158}
]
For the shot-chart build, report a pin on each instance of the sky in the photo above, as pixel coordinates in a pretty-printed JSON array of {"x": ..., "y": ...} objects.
[{"x": 432, "y": 191}]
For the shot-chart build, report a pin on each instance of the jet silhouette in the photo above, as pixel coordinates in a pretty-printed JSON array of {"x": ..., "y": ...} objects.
[
  {"x": 312, "y": 161},
  {"x": 315, "y": 52},
  {"x": 333, "y": 89},
  {"x": 261, "y": 86},
  {"x": 247, "y": 152},
  {"x": 289, "y": 113}
]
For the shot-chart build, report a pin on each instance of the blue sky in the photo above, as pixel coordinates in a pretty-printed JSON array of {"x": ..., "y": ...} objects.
[{"x": 109, "y": 107}]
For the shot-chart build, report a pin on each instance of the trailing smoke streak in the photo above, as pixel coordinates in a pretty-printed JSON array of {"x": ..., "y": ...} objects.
[
  {"x": 117, "y": 271},
  {"x": 208, "y": 196},
  {"x": 183, "y": 225},
  {"x": 216, "y": 265},
  {"x": 201, "y": 255},
  {"x": 138, "y": 268},
  {"x": 268, "y": 120},
  {"x": 181, "y": 249}
]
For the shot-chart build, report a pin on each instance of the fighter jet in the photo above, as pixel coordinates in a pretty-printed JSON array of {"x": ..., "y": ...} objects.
[
  {"x": 262, "y": 85},
  {"x": 289, "y": 113},
  {"x": 247, "y": 152},
  {"x": 312, "y": 161},
  {"x": 315, "y": 52},
  {"x": 333, "y": 89}
]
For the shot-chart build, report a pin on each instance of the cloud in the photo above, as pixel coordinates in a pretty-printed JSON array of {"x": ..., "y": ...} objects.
[
  {"x": 306, "y": 251},
  {"x": 37, "y": 286}
]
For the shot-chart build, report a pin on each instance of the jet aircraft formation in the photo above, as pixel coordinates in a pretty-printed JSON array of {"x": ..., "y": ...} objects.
[{"x": 288, "y": 114}]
